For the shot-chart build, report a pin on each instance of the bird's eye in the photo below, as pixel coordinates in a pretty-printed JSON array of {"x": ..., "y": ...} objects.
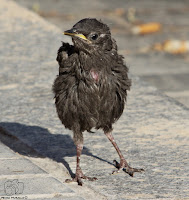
[{"x": 94, "y": 36}]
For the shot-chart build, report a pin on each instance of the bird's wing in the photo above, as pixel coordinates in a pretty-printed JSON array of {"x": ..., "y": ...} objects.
[
  {"x": 66, "y": 56},
  {"x": 64, "y": 52}
]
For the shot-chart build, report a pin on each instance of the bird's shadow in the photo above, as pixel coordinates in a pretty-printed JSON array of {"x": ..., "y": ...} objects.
[{"x": 37, "y": 141}]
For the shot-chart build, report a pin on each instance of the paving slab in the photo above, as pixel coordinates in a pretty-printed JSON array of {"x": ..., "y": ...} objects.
[
  {"x": 21, "y": 178},
  {"x": 61, "y": 197},
  {"x": 5, "y": 152},
  {"x": 35, "y": 187},
  {"x": 152, "y": 133},
  {"x": 18, "y": 166}
]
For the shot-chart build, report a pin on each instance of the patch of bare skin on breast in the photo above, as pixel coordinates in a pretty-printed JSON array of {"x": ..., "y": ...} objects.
[{"x": 95, "y": 75}]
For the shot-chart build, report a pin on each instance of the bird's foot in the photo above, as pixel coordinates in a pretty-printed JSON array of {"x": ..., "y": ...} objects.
[
  {"x": 125, "y": 167},
  {"x": 78, "y": 178}
]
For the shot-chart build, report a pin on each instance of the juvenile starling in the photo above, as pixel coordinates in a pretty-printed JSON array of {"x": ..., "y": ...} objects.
[{"x": 91, "y": 88}]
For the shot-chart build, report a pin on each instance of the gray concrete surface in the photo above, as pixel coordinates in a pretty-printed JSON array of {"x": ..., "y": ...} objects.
[
  {"x": 152, "y": 133},
  {"x": 169, "y": 73},
  {"x": 36, "y": 182}
]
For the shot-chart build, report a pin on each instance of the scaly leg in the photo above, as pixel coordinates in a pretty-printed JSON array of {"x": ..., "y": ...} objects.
[
  {"x": 123, "y": 165},
  {"x": 79, "y": 174}
]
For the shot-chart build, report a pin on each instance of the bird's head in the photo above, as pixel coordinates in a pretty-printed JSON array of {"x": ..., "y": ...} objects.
[{"x": 90, "y": 34}]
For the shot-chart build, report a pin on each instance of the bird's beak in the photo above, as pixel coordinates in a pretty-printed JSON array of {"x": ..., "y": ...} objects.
[{"x": 71, "y": 32}]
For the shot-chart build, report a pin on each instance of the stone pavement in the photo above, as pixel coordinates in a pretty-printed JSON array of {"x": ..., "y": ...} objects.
[
  {"x": 37, "y": 183},
  {"x": 17, "y": 170},
  {"x": 37, "y": 154}
]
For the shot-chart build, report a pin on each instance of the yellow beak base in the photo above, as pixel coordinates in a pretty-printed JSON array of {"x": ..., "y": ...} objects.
[{"x": 76, "y": 35}]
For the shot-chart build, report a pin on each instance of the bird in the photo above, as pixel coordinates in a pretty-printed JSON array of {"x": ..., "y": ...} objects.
[{"x": 91, "y": 88}]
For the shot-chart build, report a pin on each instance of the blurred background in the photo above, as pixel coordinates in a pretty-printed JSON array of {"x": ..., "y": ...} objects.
[{"x": 152, "y": 35}]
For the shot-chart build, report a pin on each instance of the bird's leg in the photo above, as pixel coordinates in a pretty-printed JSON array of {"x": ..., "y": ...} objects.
[
  {"x": 79, "y": 174},
  {"x": 123, "y": 165}
]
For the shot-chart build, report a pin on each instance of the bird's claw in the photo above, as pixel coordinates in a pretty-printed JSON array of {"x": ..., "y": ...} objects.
[
  {"x": 126, "y": 168},
  {"x": 78, "y": 179},
  {"x": 131, "y": 171}
]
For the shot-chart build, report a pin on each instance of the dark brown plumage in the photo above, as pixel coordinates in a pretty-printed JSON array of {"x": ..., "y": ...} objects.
[{"x": 91, "y": 88}]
